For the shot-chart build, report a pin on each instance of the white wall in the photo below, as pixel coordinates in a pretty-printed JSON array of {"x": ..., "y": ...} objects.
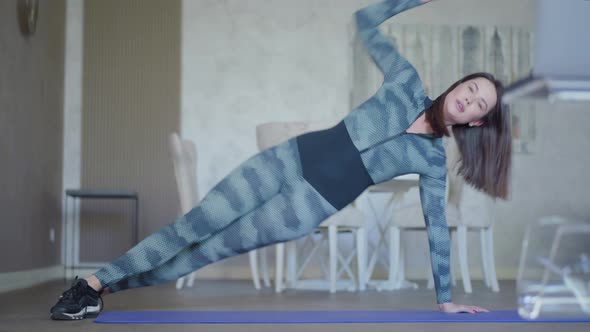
[
  {"x": 246, "y": 63},
  {"x": 249, "y": 62},
  {"x": 552, "y": 181}
]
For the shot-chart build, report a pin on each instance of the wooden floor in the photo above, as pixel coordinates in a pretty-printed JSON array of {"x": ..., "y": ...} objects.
[{"x": 28, "y": 309}]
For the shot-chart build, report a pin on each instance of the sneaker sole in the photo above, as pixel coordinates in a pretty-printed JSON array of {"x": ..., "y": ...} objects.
[{"x": 84, "y": 313}]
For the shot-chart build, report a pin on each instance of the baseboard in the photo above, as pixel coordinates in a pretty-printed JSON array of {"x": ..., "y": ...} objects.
[
  {"x": 243, "y": 272},
  {"x": 22, "y": 279}
]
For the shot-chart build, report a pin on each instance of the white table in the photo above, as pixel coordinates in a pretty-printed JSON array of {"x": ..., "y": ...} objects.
[{"x": 396, "y": 189}]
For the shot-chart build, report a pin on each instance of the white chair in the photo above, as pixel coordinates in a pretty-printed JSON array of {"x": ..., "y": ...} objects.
[
  {"x": 410, "y": 217},
  {"x": 405, "y": 215},
  {"x": 483, "y": 224},
  {"x": 268, "y": 135},
  {"x": 184, "y": 159},
  {"x": 348, "y": 219}
]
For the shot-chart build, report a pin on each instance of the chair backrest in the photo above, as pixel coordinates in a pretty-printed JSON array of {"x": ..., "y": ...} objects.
[
  {"x": 184, "y": 158},
  {"x": 474, "y": 209},
  {"x": 272, "y": 133}
]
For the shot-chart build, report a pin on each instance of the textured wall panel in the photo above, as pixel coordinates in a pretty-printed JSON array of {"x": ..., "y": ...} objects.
[
  {"x": 31, "y": 108},
  {"x": 131, "y": 99}
]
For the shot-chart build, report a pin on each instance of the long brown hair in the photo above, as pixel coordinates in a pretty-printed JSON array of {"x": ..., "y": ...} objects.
[{"x": 486, "y": 151}]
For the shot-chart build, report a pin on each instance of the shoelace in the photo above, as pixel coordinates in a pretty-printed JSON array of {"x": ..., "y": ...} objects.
[
  {"x": 76, "y": 290},
  {"x": 73, "y": 292}
]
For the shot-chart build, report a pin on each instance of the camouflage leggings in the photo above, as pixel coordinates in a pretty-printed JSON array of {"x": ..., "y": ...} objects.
[{"x": 264, "y": 201}]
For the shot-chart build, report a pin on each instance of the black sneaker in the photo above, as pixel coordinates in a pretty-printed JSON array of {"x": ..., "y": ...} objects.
[{"x": 78, "y": 302}]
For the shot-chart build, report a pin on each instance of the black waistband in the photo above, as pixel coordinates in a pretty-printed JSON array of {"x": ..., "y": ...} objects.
[{"x": 333, "y": 165}]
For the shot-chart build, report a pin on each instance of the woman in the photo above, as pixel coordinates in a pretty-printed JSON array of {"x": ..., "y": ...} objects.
[{"x": 284, "y": 192}]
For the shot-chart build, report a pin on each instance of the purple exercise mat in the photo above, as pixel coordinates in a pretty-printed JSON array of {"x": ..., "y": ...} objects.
[{"x": 311, "y": 317}]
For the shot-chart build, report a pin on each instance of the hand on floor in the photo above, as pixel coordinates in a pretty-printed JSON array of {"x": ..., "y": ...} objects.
[{"x": 451, "y": 307}]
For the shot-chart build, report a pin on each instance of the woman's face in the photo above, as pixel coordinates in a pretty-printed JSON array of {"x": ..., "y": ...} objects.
[{"x": 470, "y": 101}]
